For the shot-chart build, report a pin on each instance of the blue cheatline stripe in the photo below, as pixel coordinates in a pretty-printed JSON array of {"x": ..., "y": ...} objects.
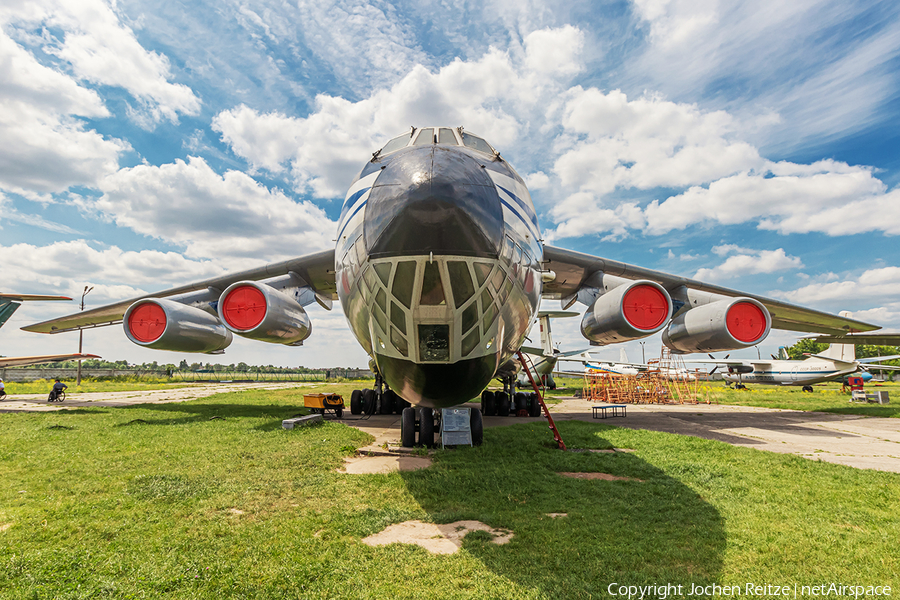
[
  {"x": 515, "y": 212},
  {"x": 349, "y": 201},
  {"x": 528, "y": 211},
  {"x": 350, "y": 218}
]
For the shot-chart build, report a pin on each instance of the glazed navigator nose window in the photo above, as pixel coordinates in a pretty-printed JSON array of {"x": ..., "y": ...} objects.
[{"x": 434, "y": 342}]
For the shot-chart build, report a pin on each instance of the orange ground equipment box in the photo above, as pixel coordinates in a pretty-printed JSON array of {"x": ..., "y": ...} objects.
[{"x": 319, "y": 403}]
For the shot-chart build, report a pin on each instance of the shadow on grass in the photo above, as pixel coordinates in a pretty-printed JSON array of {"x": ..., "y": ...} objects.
[
  {"x": 656, "y": 530},
  {"x": 195, "y": 412}
]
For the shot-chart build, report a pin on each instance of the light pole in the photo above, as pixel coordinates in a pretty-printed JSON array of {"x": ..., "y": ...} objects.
[
  {"x": 81, "y": 336},
  {"x": 643, "y": 357}
]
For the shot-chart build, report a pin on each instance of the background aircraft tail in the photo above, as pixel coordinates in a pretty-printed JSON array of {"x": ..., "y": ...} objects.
[{"x": 842, "y": 352}]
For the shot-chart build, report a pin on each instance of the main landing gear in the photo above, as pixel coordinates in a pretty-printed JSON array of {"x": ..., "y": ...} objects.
[
  {"x": 380, "y": 400},
  {"x": 509, "y": 402}
]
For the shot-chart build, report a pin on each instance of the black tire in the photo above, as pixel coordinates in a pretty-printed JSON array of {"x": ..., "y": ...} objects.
[
  {"x": 807, "y": 388},
  {"x": 426, "y": 427},
  {"x": 339, "y": 412},
  {"x": 477, "y": 426},
  {"x": 408, "y": 427},
  {"x": 489, "y": 400},
  {"x": 502, "y": 400},
  {"x": 521, "y": 402},
  {"x": 356, "y": 404},
  {"x": 369, "y": 402},
  {"x": 534, "y": 408},
  {"x": 387, "y": 402}
]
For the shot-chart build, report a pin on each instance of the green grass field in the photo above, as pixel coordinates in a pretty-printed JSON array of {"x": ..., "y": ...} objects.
[{"x": 213, "y": 499}]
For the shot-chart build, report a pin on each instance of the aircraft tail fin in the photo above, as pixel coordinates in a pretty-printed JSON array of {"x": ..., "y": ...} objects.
[
  {"x": 623, "y": 357},
  {"x": 841, "y": 352}
]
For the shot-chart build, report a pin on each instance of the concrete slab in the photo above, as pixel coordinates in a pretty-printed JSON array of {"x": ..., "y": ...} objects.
[
  {"x": 853, "y": 440},
  {"x": 38, "y": 402}
]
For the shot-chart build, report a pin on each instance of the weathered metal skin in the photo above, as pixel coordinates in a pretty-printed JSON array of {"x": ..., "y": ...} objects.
[
  {"x": 431, "y": 199},
  {"x": 441, "y": 205},
  {"x": 705, "y": 329},
  {"x": 285, "y": 321},
  {"x": 187, "y": 329}
]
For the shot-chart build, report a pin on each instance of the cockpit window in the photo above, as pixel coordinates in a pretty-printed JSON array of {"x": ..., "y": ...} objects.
[
  {"x": 476, "y": 143},
  {"x": 426, "y": 136},
  {"x": 432, "y": 288},
  {"x": 445, "y": 136},
  {"x": 395, "y": 144}
]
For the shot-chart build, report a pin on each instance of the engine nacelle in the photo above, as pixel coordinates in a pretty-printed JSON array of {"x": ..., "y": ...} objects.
[
  {"x": 168, "y": 325},
  {"x": 627, "y": 312},
  {"x": 728, "y": 324},
  {"x": 260, "y": 312}
]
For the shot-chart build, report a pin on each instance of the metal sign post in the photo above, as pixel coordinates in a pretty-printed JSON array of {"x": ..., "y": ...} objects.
[{"x": 456, "y": 428}]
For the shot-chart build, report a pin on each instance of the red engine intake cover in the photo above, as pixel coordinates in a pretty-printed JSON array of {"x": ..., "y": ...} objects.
[
  {"x": 147, "y": 322},
  {"x": 645, "y": 307},
  {"x": 244, "y": 307},
  {"x": 746, "y": 322}
]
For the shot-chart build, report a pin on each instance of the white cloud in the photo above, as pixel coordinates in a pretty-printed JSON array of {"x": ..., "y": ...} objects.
[
  {"x": 748, "y": 262},
  {"x": 872, "y": 285},
  {"x": 45, "y": 146},
  {"x": 827, "y": 197},
  {"x": 212, "y": 215},
  {"x": 554, "y": 50},
  {"x": 65, "y": 267},
  {"x": 493, "y": 96},
  {"x": 101, "y": 50}
]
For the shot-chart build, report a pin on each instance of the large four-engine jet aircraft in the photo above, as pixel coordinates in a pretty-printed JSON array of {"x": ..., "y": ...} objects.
[
  {"x": 440, "y": 269},
  {"x": 9, "y": 303}
]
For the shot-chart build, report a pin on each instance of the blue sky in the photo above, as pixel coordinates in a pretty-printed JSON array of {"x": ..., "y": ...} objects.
[{"x": 148, "y": 144}]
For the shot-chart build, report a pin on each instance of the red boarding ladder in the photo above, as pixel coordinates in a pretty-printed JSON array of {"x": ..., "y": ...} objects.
[{"x": 556, "y": 436}]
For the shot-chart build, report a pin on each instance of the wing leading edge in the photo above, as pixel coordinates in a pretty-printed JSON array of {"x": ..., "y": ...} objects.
[
  {"x": 573, "y": 268},
  {"x": 317, "y": 270}
]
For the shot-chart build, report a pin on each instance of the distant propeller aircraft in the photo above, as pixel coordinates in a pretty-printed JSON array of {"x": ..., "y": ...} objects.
[
  {"x": 440, "y": 268},
  {"x": 9, "y": 303}
]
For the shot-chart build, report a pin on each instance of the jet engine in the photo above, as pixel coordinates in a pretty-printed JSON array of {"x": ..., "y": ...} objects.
[
  {"x": 627, "y": 312},
  {"x": 260, "y": 312},
  {"x": 168, "y": 325},
  {"x": 728, "y": 324}
]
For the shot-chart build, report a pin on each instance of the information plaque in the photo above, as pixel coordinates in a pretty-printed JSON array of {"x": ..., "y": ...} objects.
[{"x": 455, "y": 427}]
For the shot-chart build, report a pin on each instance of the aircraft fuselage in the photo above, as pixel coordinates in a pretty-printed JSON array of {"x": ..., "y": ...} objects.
[
  {"x": 792, "y": 372},
  {"x": 438, "y": 266}
]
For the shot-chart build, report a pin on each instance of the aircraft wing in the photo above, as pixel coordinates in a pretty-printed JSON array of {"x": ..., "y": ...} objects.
[
  {"x": 877, "y": 359},
  {"x": 875, "y": 339},
  {"x": 10, "y": 302},
  {"x": 573, "y": 268},
  {"x": 22, "y": 361},
  {"x": 317, "y": 270},
  {"x": 728, "y": 362}
]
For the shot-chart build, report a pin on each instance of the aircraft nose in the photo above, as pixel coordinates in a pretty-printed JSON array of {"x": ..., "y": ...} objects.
[{"x": 433, "y": 199}]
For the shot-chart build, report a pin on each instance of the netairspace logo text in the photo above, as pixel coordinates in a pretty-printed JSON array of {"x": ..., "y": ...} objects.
[{"x": 767, "y": 590}]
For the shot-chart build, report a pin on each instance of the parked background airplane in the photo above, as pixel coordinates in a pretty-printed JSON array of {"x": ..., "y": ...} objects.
[
  {"x": 593, "y": 366},
  {"x": 836, "y": 362},
  {"x": 9, "y": 303},
  {"x": 440, "y": 268}
]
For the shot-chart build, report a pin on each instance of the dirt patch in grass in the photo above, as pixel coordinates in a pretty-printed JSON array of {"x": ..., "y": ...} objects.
[{"x": 437, "y": 539}]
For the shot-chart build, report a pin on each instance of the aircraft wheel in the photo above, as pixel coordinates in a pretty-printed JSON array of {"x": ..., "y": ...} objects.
[
  {"x": 502, "y": 404},
  {"x": 387, "y": 403},
  {"x": 339, "y": 412},
  {"x": 408, "y": 427},
  {"x": 477, "y": 426},
  {"x": 807, "y": 388},
  {"x": 488, "y": 403},
  {"x": 535, "y": 407},
  {"x": 521, "y": 401},
  {"x": 369, "y": 402},
  {"x": 426, "y": 427},
  {"x": 356, "y": 403}
]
